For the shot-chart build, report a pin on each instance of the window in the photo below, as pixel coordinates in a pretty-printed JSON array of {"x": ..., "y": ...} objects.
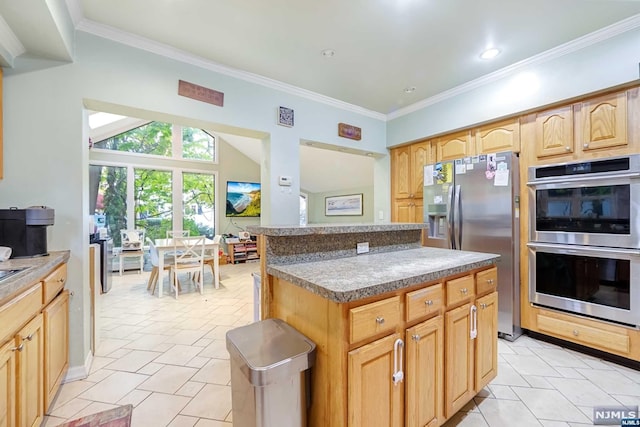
[
  {"x": 197, "y": 144},
  {"x": 153, "y": 202},
  {"x": 198, "y": 203},
  {"x": 109, "y": 197}
]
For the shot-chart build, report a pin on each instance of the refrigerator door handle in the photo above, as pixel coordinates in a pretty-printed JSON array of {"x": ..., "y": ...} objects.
[
  {"x": 459, "y": 203},
  {"x": 450, "y": 219}
]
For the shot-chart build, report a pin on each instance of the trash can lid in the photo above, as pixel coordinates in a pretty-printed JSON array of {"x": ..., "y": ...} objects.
[{"x": 269, "y": 350}]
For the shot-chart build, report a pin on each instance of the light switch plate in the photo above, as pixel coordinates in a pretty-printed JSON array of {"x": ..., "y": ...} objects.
[{"x": 362, "y": 248}]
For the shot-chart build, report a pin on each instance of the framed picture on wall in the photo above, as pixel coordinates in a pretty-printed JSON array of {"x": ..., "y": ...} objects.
[
  {"x": 285, "y": 116},
  {"x": 350, "y": 204}
]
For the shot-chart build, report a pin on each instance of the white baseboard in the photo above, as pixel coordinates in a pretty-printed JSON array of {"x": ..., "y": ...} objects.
[{"x": 81, "y": 372}]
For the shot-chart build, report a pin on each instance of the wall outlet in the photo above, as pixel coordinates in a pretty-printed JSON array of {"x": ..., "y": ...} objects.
[{"x": 362, "y": 248}]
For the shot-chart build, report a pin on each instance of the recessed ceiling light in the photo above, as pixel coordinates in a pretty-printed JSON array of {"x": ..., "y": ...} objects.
[
  {"x": 328, "y": 53},
  {"x": 490, "y": 53},
  {"x": 410, "y": 89}
]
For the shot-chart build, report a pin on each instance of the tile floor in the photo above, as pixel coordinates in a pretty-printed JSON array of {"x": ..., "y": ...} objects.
[{"x": 168, "y": 358}]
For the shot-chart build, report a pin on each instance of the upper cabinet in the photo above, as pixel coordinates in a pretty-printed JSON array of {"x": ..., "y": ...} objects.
[
  {"x": 554, "y": 132},
  {"x": 454, "y": 146},
  {"x": 602, "y": 122},
  {"x": 496, "y": 137},
  {"x": 602, "y": 126}
]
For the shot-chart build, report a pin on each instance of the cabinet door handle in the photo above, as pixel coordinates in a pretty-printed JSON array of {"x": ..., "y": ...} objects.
[
  {"x": 575, "y": 332},
  {"x": 473, "y": 319},
  {"x": 483, "y": 306},
  {"x": 18, "y": 348},
  {"x": 28, "y": 337},
  {"x": 567, "y": 148},
  {"x": 585, "y": 145},
  {"x": 429, "y": 302},
  {"x": 415, "y": 337},
  {"x": 398, "y": 375},
  {"x": 379, "y": 320}
]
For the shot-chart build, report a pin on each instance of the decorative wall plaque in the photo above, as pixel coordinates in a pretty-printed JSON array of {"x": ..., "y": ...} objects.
[
  {"x": 348, "y": 131},
  {"x": 200, "y": 93},
  {"x": 285, "y": 116}
]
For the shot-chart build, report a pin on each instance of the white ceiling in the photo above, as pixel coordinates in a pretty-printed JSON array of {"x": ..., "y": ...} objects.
[{"x": 381, "y": 46}]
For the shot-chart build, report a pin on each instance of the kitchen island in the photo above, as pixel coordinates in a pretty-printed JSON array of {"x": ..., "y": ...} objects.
[{"x": 405, "y": 335}]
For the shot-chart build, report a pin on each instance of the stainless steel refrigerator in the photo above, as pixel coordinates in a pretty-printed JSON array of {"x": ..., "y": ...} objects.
[{"x": 472, "y": 204}]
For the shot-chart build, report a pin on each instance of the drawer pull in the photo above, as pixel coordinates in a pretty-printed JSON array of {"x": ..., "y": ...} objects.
[
  {"x": 429, "y": 302},
  {"x": 464, "y": 291},
  {"x": 567, "y": 148},
  {"x": 28, "y": 337},
  {"x": 415, "y": 337},
  {"x": 379, "y": 320},
  {"x": 576, "y": 333},
  {"x": 18, "y": 348},
  {"x": 490, "y": 281},
  {"x": 483, "y": 306},
  {"x": 585, "y": 145},
  {"x": 61, "y": 279}
]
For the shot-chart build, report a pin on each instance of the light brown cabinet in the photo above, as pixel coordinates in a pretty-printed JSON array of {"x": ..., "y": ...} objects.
[
  {"x": 407, "y": 180},
  {"x": 471, "y": 330},
  {"x": 34, "y": 342},
  {"x": 56, "y": 340},
  {"x": 496, "y": 137},
  {"x": 424, "y": 382},
  {"x": 596, "y": 127},
  {"x": 374, "y": 400},
  {"x": 30, "y": 373},
  {"x": 454, "y": 146},
  {"x": 423, "y": 332}
]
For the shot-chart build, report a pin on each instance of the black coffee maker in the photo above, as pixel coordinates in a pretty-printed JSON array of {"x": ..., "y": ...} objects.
[{"x": 25, "y": 230}]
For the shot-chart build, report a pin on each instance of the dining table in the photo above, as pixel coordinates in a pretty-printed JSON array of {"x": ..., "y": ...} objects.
[{"x": 166, "y": 246}]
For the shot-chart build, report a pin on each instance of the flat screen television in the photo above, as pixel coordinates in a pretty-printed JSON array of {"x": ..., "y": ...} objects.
[{"x": 243, "y": 199}]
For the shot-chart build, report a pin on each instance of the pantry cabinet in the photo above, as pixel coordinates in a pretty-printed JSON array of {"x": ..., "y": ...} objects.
[{"x": 407, "y": 180}]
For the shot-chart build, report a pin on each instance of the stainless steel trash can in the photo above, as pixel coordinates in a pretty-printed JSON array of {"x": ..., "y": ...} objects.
[{"x": 270, "y": 374}]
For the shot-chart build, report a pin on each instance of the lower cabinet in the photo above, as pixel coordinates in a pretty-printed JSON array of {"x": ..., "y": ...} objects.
[
  {"x": 471, "y": 350},
  {"x": 375, "y": 399},
  {"x": 56, "y": 346},
  {"x": 8, "y": 385},
  {"x": 424, "y": 382},
  {"x": 29, "y": 345}
]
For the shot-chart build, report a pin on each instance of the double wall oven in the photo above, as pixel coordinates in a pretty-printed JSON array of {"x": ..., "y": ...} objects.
[{"x": 584, "y": 243}]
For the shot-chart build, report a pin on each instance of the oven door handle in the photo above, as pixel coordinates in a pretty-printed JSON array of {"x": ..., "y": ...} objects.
[
  {"x": 580, "y": 249},
  {"x": 582, "y": 179}
]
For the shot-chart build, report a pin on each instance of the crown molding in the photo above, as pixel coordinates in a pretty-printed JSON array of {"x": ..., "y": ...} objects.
[
  {"x": 143, "y": 43},
  {"x": 587, "y": 40},
  {"x": 9, "y": 42}
]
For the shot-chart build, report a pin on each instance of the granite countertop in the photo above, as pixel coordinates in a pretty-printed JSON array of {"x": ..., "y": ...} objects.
[
  {"x": 353, "y": 278},
  {"x": 306, "y": 230},
  {"x": 35, "y": 269}
]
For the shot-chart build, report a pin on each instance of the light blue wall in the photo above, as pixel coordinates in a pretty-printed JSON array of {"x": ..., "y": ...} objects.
[
  {"x": 46, "y": 143},
  {"x": 606, "y": 64}
]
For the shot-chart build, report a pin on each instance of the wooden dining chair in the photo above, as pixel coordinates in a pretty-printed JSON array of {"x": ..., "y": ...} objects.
[{"x": 188, "y": 258}]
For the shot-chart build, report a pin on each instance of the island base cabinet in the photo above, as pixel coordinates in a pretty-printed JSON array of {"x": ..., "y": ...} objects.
[
  {"x": 29, "y": 368},
  {"x": 56, "y": 351},
  {"x": 374, "y": 399},
  {"x": 424, "y": 390},
  {"x": 459, "y": 358},
  {"x": 486, "y": 344},
  {"x": 8, "y": 385}
]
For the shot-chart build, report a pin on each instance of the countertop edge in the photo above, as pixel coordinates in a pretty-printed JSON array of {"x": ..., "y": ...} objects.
[
  {"x": 382, "y": 287},
  {"x": 35, "y": 270}
]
